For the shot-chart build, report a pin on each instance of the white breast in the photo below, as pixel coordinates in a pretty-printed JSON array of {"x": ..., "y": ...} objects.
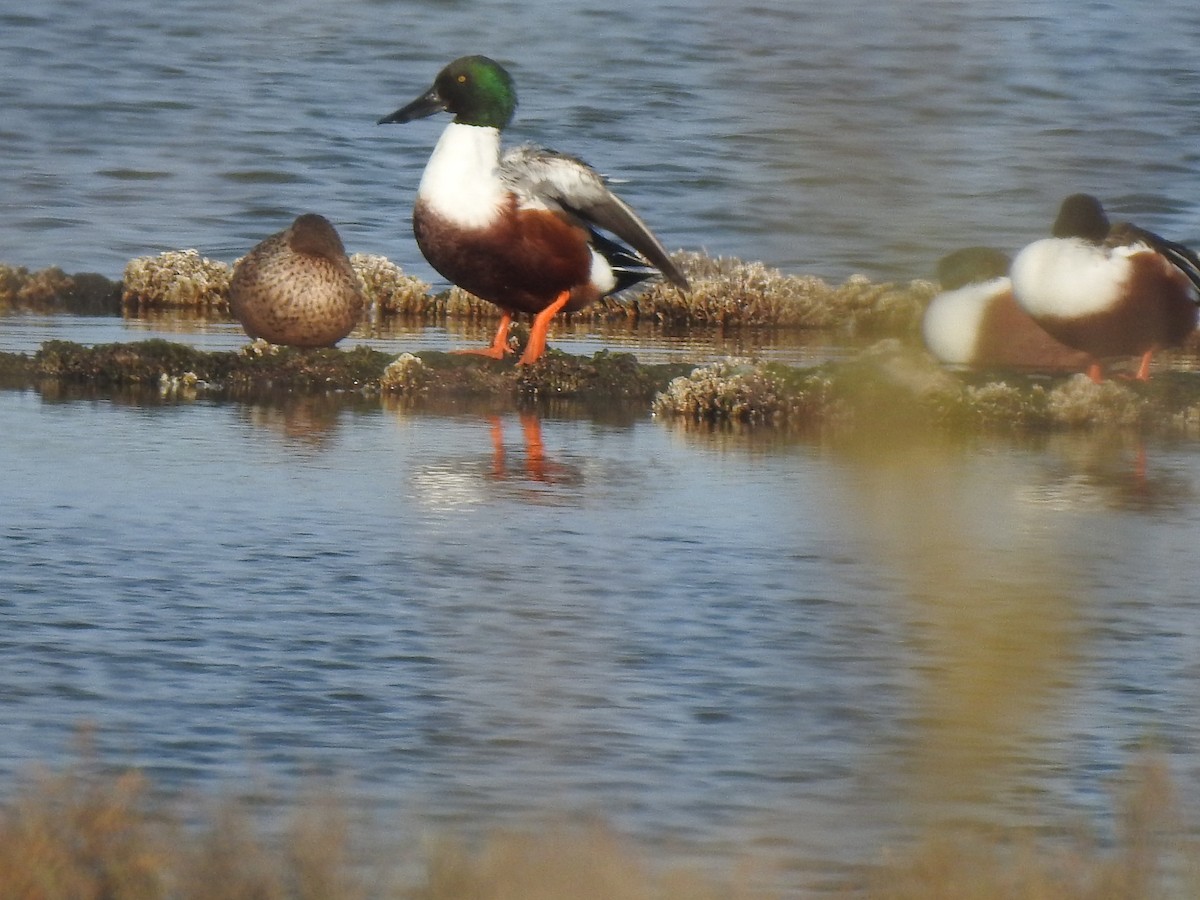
[
  {"x": 952, "y": 320},
  {"x": 460, "y": 182},
  {"x": 1069, "y": 278}
]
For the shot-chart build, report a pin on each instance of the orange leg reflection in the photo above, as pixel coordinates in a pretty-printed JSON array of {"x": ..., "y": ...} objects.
[
  {"x": 497, "y": 448},
  {"x": 535, "y": 451},
  {"x": 537, "y": 466}
]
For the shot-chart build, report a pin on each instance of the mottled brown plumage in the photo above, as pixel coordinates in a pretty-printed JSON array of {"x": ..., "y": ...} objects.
[{"x": 297, "y": 287}]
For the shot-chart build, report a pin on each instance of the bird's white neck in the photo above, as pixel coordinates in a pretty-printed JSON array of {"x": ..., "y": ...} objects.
[{"x": 461, "y": 183}]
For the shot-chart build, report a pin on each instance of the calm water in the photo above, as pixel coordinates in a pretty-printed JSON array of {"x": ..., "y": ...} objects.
[
  {"x": 828, "y": 138},
  {"x": 726, "y": 645}
]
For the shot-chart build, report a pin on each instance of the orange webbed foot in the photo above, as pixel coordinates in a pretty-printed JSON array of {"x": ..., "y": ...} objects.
[
  {"x": 492, "y": 352},
  {"x": 499, "y": 346}
]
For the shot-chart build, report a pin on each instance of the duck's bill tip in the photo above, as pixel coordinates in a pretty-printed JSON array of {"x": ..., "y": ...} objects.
[{"x": 425, "y": 105}]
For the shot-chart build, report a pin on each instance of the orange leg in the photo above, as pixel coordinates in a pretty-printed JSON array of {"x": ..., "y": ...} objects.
[
  {"x": 541, "y": 324},
  {"x": 1096, "y": 373},
  {"x": 499, "y": 348},
  {"x": 1143, "y": 372}
]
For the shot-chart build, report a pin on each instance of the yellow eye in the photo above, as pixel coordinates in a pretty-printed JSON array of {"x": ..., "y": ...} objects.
[{"x": 462, "y": 79}]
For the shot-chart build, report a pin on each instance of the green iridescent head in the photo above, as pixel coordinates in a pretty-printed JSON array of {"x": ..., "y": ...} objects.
[{"x": 475, "y": 88}]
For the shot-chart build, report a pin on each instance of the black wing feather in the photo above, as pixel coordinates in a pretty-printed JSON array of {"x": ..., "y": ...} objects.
[{"x": 1183, "y": 258}]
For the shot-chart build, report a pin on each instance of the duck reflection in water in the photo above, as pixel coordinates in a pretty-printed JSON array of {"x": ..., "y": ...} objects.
[
  {"x": 310, "y": 421},
  {"x": 533, "y": 465},
  {"x": 1107, "y": 471},
  {"x": 488, "y": 467}
]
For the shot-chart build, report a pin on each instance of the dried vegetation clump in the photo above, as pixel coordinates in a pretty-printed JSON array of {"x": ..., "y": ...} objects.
[
  {"x": 894, "y": 385},
  {"x": 1080, "y": 401},
  {"x": 745, "y": 392},
  {"x": 76, "y": 834},
  {"x": 389, "y": 291},
  {"x": 886, "y": 384},
  {"x": 730, "y": 292},
  {"x": 726, "y": 292},
  {"x": 892, "y": 381},
  {"x": 53, "y": 290},
  {"x": 392, "y": 292},
  {"x": 459, "y": 304},
  {"x": 177, "y": 279},
  {"x": 406, "y": 374},
  {"x": 83, "y": 833}
]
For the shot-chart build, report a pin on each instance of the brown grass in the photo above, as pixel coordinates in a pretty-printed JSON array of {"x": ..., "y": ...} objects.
[
  {"x": 578, "y": 863},
  {"x": 74, "y": 836},
  {"x": 86, "y": 834},
  {"x": 52, "y": 290},
  {"x": 1149, "y": 859}
]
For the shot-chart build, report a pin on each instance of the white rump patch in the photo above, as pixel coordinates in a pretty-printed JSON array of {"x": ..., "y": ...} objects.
[
  {"x": 952, "y": 320},
  {"x": 461, "y": 181},
  {"x": 602, "y": 274},
  {"x": 1067, "y": 277}
]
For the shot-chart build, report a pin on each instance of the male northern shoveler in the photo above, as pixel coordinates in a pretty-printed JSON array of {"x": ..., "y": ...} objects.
[
  {"x": 519, "y": 230},
  {"x": 976, "y": 322},
  {"x": 297, "y": 287},
  {"x": 1108, "y": 290}
]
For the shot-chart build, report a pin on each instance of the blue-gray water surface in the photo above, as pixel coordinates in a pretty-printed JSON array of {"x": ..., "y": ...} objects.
[
  {"x": 733, "y": 646},
  {"x": 727, "y": 645},
  {"x": 830, "y": 138}
]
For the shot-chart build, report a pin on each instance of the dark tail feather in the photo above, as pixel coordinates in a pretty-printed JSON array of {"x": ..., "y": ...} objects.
[
  {"x": 1183, "y": 258},
  {"x": 627, "y": 266},
  {"x": 614, "y": 214}
]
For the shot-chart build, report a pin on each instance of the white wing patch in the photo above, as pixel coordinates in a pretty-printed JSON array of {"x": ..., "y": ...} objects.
[
  {"x": 543, "y": 179},
  {"x": 460, "y": 182},
  {"x": 1066, "y": 277}
]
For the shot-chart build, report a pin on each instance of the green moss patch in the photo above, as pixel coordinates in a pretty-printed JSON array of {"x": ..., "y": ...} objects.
[
  {"x": 261, "y": 367},
  {"x": 614, "y": 378},
  {"x": 897, "y": 387},
  {"x": 886, "y": 385}
]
